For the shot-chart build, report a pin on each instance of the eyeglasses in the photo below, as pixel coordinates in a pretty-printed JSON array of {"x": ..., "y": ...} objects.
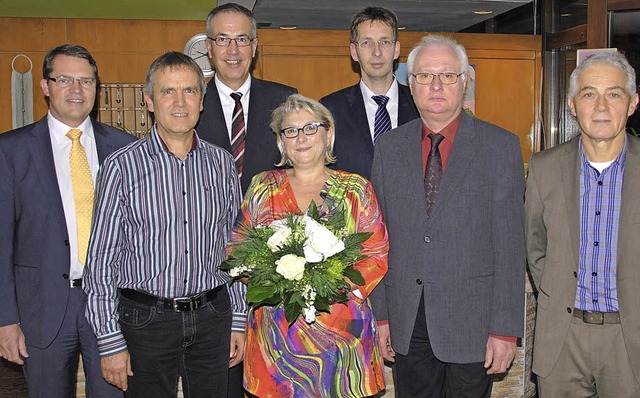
[
  {"x": 307, "y": 129},
  {"x": 445, "y": 77},
  {"x": 67, "y": 81},
  {"x": 224, "y": 41},
  {"x": 368, "y": 44}
]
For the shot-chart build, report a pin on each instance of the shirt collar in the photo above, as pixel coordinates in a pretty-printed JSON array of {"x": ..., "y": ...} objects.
[
  {"x": 392, "y": 92},
  {"x": 58, "y": 130},
  {"x": 225, "y": 92},
  {"x": 449, "y": 131},
  {"x": 156, "y": 145},
  {"x": 619, "y": 160}
]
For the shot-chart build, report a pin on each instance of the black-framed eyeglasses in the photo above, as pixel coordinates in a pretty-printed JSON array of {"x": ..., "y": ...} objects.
[
  {"x": 68, "y": 81},
  {"x": 307, "y": 129},
  {"x": 223, "y": 41},
  {"x": 445, "y": 77},
  {"x": 369, "y": 43}
]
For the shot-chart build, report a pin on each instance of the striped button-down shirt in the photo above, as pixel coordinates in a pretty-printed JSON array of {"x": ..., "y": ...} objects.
[
  {"x": 600, "y": 199},
  {"x": 160, "y": 226}
]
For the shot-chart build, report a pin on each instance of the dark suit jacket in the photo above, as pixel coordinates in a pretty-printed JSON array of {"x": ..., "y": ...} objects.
[
  {"x": 553, "y": 244},
  {"x": 468, "y": 257},
  {"x": 34, "y": 248},
  {"x": 353, "y": 146},
  {"x": 261, "y": 153}
]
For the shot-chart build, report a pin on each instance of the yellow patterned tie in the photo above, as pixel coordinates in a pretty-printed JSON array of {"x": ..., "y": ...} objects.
[{"x": 82, "y": 191}]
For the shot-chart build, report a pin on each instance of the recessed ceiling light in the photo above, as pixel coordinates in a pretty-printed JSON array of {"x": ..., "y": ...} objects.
[
  {"x": 402, "y": 27},
  {"x": 566, "y": 14},
  {"x": 483, "y": 12},
  {"x": 288, "y": 27}
]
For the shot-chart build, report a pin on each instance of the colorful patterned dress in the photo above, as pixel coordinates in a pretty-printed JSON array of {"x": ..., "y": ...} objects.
[{"x": 338, "y": 355}]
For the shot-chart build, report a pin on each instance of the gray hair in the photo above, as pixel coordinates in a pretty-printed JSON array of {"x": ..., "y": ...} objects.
[
  {"x": 232, "y": 7},
  {"x": 616, "y": 59},
  {"x": 173, "y": 60},
  {"x": 296, "y": 103},
  {"x": 439, "y": 40}
]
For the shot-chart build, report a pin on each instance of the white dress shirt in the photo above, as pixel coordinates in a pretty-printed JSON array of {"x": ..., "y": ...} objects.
[
  {"x": 371, "y": 106},
  {"x": 61, "y": 146}
]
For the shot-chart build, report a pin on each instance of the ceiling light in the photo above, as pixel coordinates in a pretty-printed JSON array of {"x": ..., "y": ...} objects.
[
  {"x": 483, "y": 12},
  {"x": 566, "y": 15},
  {"x": 402, "y": 27}
]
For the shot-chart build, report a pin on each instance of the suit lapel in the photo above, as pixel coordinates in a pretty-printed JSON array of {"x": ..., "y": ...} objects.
[
  {"x": 406, "y": 109},
  {"x": 42, "y": 156},
  {"x": 462, "y": 153},
  {"x": 103, "y": 145},
  {"x": 630, "y": 208},
  {"x": 216, "y": 124},
  {"x": 570, "y": 181},
  {"x": 358, "y": 115}
]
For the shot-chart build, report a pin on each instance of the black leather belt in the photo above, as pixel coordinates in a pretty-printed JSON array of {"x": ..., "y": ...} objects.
[
  {"x": 597, "y": 318},
  {"x": 177, "y": 304},
  {"x": 76, "y": 282}
]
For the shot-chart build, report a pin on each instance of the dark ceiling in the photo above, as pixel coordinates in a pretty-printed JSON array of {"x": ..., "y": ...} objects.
[{"x": 414, "y": 15}]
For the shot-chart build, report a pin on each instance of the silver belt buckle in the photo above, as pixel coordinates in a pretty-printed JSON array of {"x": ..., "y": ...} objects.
[{"x": 181, "y": 300}]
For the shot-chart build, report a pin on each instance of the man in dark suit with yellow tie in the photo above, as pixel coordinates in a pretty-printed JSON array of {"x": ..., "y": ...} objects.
[
  {"x": 378, "y": 102},
  {"x": 47, "y": 170}
]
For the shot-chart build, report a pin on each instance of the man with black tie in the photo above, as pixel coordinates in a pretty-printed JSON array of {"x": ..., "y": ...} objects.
[
  {"x": 378, "y": 102},
  {"x": 47, "y": 171},
  {"x": 237, "y": 106}
]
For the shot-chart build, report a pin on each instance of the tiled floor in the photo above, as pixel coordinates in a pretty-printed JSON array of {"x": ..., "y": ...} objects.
[{"x": 12, "y": 383}]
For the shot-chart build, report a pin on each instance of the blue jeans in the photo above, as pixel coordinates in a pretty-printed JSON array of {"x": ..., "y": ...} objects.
[{"x": 164, "y": 344}]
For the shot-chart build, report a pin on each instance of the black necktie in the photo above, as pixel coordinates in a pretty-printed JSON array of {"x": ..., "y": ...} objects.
[{"x": 433, "y": 172}]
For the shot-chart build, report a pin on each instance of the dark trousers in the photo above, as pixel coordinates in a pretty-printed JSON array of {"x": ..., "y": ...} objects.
[
  {"x": 51, "y": 372},
  {"x": 164, "y": 344},
  {"x": 421, "y": 375}
]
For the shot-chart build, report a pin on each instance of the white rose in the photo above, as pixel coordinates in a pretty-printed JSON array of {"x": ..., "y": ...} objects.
[
  {"x": 309, "y": 314},
  {"x": 291, "y": 267},
  {"x": 321, "y": 243},
  {"x": 277, "y": 240}
]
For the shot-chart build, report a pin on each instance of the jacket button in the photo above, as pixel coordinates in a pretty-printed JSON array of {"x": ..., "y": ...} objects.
[
  {"x": 569, "y": 310},
  {"x": 419, "y": 281},
  {"x": 65, "y": 276},
  {"x": 427, "y": 239},
  {"x": 66, "y": 242}
]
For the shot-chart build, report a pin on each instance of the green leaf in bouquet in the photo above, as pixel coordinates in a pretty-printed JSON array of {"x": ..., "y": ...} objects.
[
  {"x": 262, "y": 294},
  {"x": 322, "y": 305},
  {"x": 357, "y": 239},
  {"x": 313, "y": 212},
  {"x": 336, "y": 222},
  {"x": 292, "y": 309},
  {"x": 354, "y": 275}
]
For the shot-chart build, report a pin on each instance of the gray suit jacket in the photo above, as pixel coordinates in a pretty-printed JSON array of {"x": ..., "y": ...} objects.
[
  {"x": 260, "y": 153},
  {"x": 468, "y": 257},
  {"x": 553, "y": 243},
  {"x": 34, "y": 248}
]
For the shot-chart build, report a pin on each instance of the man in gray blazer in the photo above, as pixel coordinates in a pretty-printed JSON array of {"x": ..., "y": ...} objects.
[
  {"x": 451, "y": 188},
  {"x": 358, "y": 111},
  {"x": 232, "y": 43},
  {"x": 42, "y": 310},
  {"x": 582, "y": 223}
]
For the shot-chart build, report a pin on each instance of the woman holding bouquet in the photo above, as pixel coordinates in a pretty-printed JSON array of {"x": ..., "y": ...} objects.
[{"x": 337, "y": 354}]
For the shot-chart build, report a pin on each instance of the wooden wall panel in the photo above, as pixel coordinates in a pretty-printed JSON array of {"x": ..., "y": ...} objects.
[{"x": 316, "y": 62}]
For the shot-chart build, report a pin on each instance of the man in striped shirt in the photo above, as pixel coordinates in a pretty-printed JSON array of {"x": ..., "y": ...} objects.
[
  {"x": 582, "y": 220},
  {"x": 157, "y": 301}
]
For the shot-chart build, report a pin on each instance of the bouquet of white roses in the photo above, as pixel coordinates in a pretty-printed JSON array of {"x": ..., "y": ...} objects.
[{"x": 299, "y": 262}]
